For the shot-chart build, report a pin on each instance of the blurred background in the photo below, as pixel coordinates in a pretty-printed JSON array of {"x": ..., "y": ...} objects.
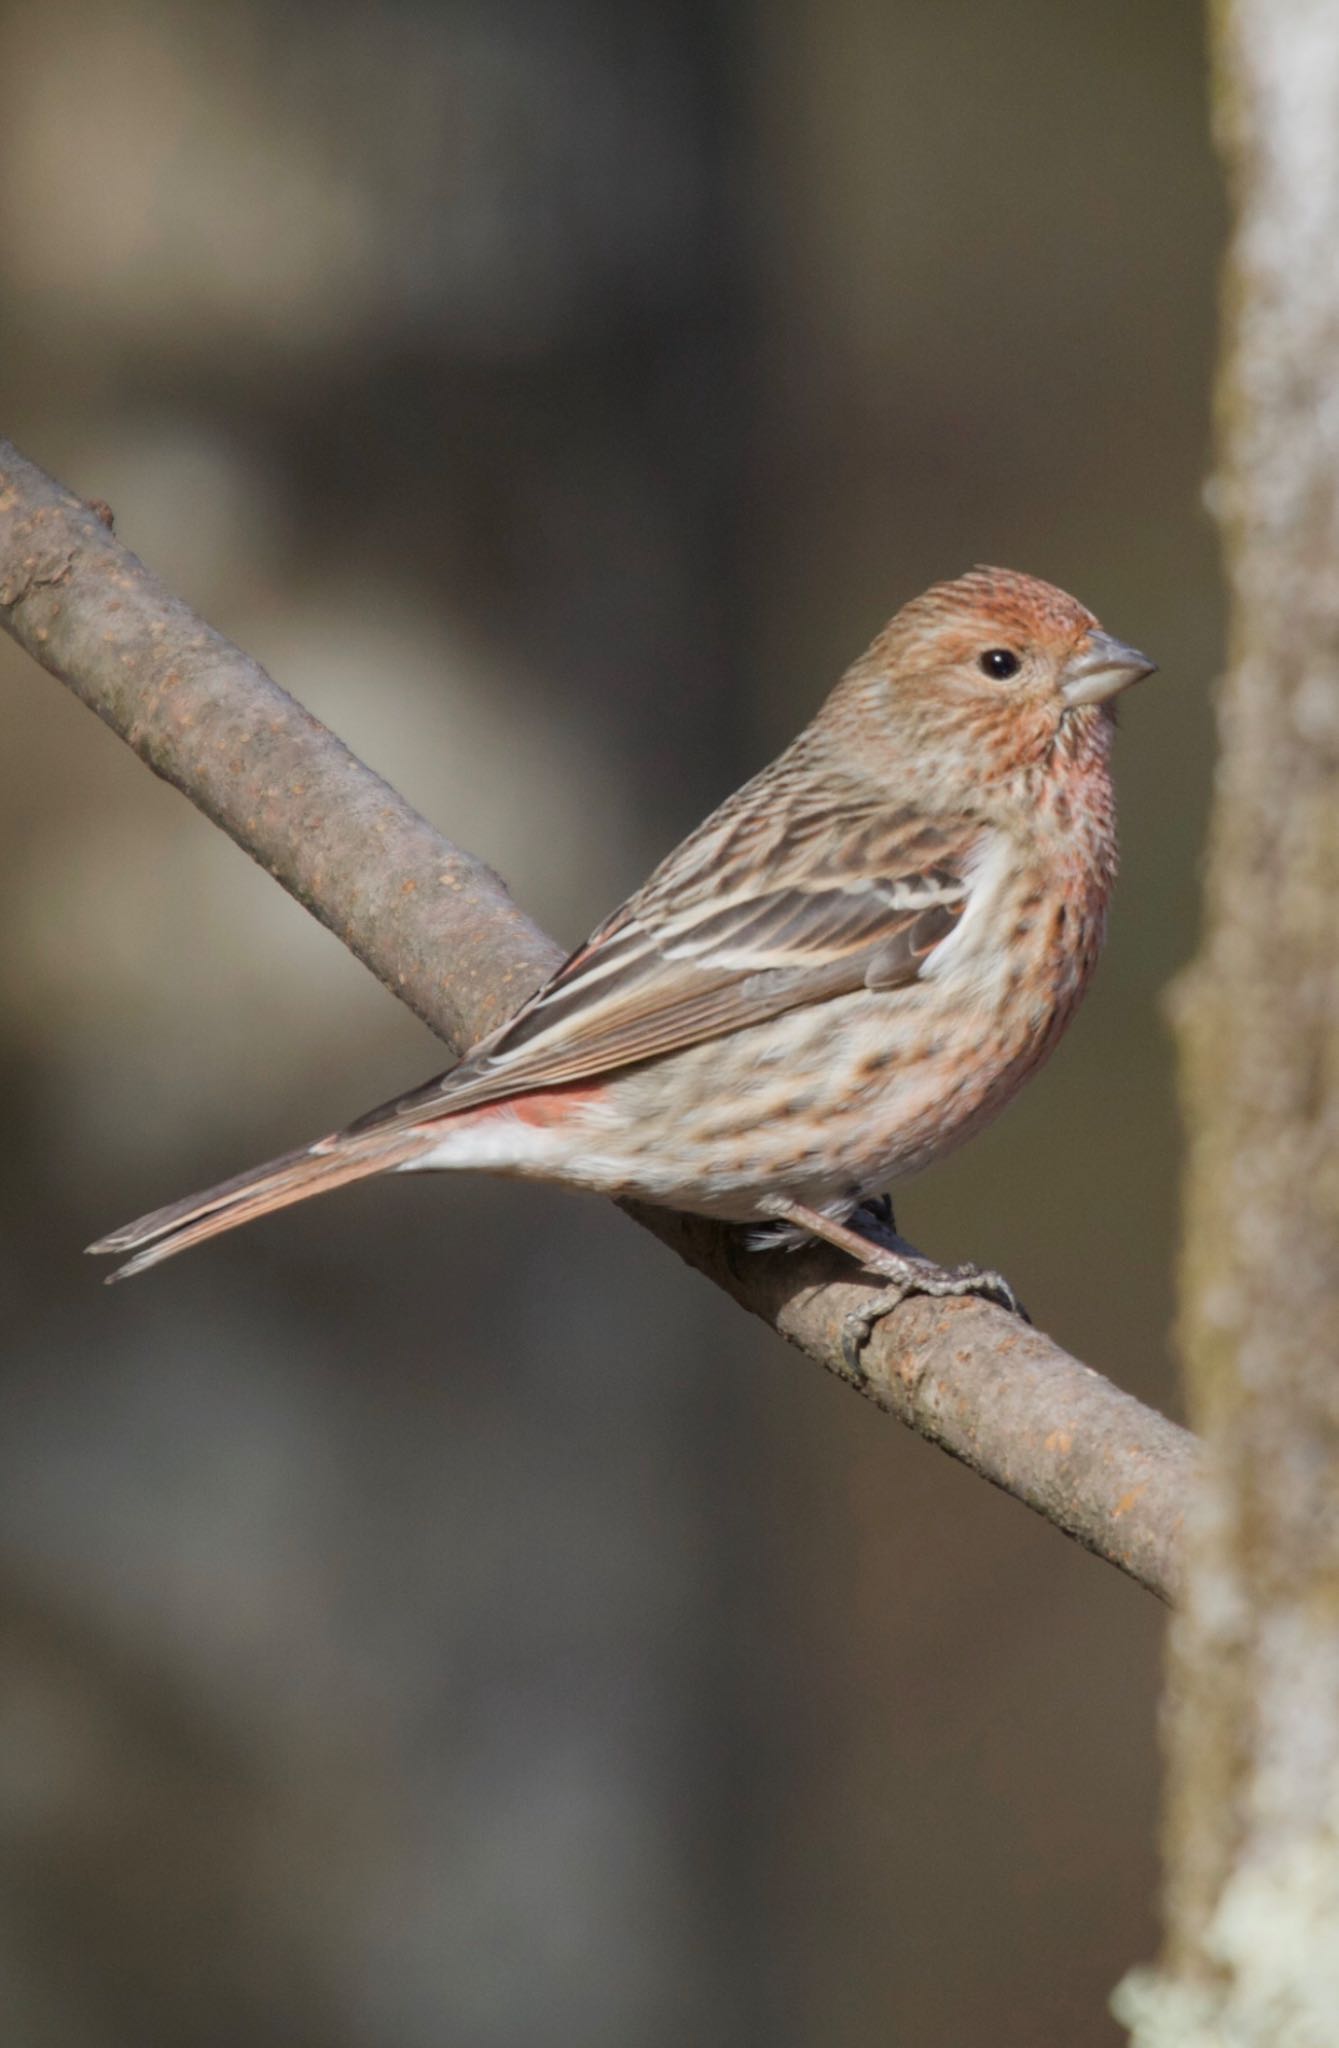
[{"x": 434, "y": 1616}]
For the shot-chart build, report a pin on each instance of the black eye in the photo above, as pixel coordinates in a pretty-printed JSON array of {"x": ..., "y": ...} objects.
[{"x": 1000, "y": 662}]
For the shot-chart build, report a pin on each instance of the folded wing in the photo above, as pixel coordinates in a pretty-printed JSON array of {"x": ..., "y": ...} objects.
[
  {"x": 665, "y": 973},
  {"x": 682, "y": 962}
]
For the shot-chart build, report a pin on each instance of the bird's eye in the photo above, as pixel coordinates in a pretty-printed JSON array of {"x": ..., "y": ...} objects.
[{"x": 1000, "y": 662}]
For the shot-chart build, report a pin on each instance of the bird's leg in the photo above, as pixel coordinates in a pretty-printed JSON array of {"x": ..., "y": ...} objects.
[{"x": 892, "y": 1259}]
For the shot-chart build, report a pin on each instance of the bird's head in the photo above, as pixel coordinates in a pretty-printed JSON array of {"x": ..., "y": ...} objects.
[{"x": 991, "y": 669}]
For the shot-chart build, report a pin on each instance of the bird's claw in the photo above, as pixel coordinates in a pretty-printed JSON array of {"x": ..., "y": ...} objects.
[
  {"x": 920, "y": 1277},
  {"x": 981, "y": 1281},
  {"x": 858, "y": 1324}
]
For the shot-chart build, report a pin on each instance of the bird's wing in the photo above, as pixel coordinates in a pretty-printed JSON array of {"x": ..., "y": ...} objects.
[{"x": 675, "y": 967}]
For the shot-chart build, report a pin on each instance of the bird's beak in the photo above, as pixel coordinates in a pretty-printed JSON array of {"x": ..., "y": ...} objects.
[{"x": 1102, "y": 667}]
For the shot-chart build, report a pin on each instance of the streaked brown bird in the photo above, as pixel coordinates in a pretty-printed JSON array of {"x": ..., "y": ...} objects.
[{"x": 846, "y": 970}]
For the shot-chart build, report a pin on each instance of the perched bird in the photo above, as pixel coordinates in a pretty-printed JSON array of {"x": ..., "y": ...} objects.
[{"x": 846, "y": 970}]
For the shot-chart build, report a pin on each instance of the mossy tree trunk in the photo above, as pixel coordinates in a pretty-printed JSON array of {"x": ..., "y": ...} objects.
[{"x": 1253, "y": 1718}]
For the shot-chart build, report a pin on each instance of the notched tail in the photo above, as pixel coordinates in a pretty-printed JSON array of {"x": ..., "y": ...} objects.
[{"x": 315, "y": 1170}]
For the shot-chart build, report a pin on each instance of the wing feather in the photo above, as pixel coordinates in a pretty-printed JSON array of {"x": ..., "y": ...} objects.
[{"x": 671, "y": 968}]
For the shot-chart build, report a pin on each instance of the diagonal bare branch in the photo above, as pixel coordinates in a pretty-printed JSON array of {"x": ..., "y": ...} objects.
[{"x": 439, "y": 929}]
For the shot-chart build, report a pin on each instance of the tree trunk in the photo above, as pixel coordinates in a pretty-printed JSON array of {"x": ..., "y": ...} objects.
[{"x": 1252, "y": 1841}]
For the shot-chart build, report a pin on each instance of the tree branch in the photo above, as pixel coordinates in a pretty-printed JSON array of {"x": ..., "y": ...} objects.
[{"x": 440, "y": 930}]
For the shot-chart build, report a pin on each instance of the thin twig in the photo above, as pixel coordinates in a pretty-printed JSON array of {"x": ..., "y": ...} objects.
[{"x": 440, "y": 930}]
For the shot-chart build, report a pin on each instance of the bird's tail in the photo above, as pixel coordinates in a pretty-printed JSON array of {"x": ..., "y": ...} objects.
[{"x": 327, "y": 1164}]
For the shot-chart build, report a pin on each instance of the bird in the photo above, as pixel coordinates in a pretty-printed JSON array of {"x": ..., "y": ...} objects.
[{"x": 844, "y": 972}]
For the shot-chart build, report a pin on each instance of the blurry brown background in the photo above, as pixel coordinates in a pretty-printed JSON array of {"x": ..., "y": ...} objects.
[{"x": 434, "y": 1617}]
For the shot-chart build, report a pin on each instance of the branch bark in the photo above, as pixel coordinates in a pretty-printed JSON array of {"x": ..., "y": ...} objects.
[{"x": 440, "y": 930}]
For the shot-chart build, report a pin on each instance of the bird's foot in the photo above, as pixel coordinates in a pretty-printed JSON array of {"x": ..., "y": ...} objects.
[
  {"x": 911, "y": 1275},
  {"x": 880, "y": 1250}
]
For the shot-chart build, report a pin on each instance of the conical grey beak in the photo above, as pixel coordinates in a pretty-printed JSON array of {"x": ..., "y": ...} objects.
[{"x": 1103, "y": 666}]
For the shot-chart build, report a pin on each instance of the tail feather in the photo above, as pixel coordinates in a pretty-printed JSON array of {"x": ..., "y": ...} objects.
[{"x": 330, "y": 1163}]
